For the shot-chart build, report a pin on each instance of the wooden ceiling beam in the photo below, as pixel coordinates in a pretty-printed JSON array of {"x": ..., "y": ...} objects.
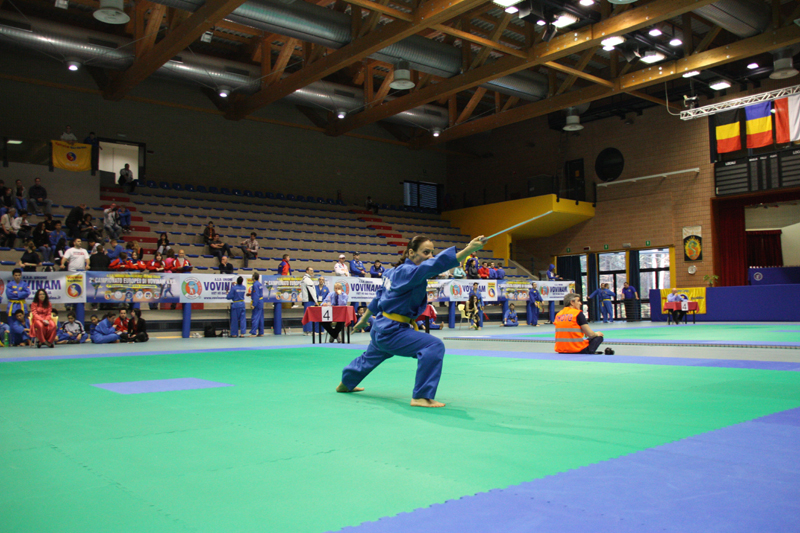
[
  {"x": 154, "y": 21},
  {"x": 497, "y": 32},
  {"x": 567, "y": 44},
  {"x": 472, "y": 38},
  {"x": 176, "y": 41},
  {"x": 471, "y": 105}
]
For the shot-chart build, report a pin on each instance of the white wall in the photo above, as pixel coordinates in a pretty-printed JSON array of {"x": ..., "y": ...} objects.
[
  {"x": 114, "y": 156},
  {"x": 63, "y": 186},
  {"x": 790, "y": 244},
  {"x": 759, "y": 218}
]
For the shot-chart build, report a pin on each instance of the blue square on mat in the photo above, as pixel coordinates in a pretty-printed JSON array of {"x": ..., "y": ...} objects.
[{"x": 160, "y": 385}]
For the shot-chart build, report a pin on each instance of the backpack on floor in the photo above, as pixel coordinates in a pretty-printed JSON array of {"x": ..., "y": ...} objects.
[{"x": 209, "y": 331}]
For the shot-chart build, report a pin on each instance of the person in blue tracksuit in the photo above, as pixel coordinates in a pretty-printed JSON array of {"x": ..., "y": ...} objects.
[
  {"x": 551, "y": 274},
  {"x": 357, "y": 267},
  {"x": 16, "y": 293},
  {"x": 501, "y": 274},
  {"x": 236, "y": 295},
  {"x": 104, "y": 331},
  {"x": 533, "y": 305},
  {"x": 257, "y": 297},
  {"x": 510, "y": 320},
  {"x": 322, "y": 290},
  {"x": 19, "y": 330},
  {"x": 606, "y": 307},
  {"x": 377, "y": 270},
  {"x": 403, "y": 297}
]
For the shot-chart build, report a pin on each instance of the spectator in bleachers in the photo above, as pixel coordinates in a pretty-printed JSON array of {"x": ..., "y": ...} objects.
[
  {"x": 56, "y": 235},
  {"x": 41, "y": 240},
  {"x": 249, "y": 248},
  {"x": 17, "y": 291},
  {"x": 126, "y": 180},
  {"x": 71, "y": 331},
  {"x": 20, "y": 329},
  {"x": 181, "y": 264},
  {"x": 341, "y": 268},
  {"x": 114, "y": 249},
  {"x": 308, "y": 296},
  {"x": 322, "y": 289},
  {"x": 284, "y": 268},
  {"x": 169, "y": 260},
  {"x": 137, "y": 327},
  {"x": 357, "y": 267},
  {"x": 21, "y": 226},
  {"x": 49, "y": 223},
  {"x": 336, "y": 298},
  {"x": 371, "y": 206},
  {"x": 87, "y": 229},
  {"x": 8, "y": 201},
  {"x": 59, "y": 251},
  {"x": 103, "y": 331},
  {"x": 483, "y": 271},
  {"x": 257, "y": 301},
  {"x": 137, "y": 264},
  {"x": 37, "y": 196},
  {"x": 377, "y": 270},
  {"x": 447, "y": 274},
  {"x": 7, "y": 227},
  {"x": 99, "y": 260},
  {"x": 133, "y": 246},
  {"x": 238, "y": 321},
  {"x": 458, "y": 272},
  {"x": 20, "y": 202},
  {"x": 30, "y": 259},
  {"x": 501, "y": 274},
  {"x": 157, "y": 264},
  {"x": 224, "y": 266},
  {"x": 125, "y": 219},
  {"x": 75, "y": 258},
  {"x": 43, "y": 328},
  {"x": 492, "y": 271},
  {"x": 94, "y": 142},
  {"x": 111, "y": 222},
  {"x": 120, "y": 263},
  {"x": 92, "y": 244},
  {"x": 68, "y": 135},
  {"x": 163, "y": 244},
  {"x": 73, "y": 221},
  {"x": 471, "y": 267},
  {"x": 209, "y": 233},
  {"x": 219, "y": 248}
]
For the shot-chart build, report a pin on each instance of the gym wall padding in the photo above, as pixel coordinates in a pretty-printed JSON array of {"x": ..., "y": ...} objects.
[{"x": 770, "y": 303}]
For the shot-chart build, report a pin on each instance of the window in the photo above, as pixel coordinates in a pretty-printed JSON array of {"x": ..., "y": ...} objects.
[
  {"x": 612, "y": 271},
  {"x": 653, "y": 274},
  {"x": 421, "y": 194}
]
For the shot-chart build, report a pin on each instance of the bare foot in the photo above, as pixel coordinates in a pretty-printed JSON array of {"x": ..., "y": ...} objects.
[
  {"x": 425, "y": 402},
  {"x": 343, "y": 388}
]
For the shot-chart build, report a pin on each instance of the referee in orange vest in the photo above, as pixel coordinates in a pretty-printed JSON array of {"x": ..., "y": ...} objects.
[{"x": 572, "y": 327}]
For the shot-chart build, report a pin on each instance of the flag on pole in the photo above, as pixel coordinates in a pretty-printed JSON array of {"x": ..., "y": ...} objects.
[
  {"x": 728, "y": 131},
  {"x": 72, "y": 156},
  {"x": 758, "y": 124},
  {"x": 787, "y": 119}
]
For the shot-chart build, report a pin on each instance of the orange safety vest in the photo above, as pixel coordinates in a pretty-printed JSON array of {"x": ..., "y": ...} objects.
[{"x": 569, "y": 337}]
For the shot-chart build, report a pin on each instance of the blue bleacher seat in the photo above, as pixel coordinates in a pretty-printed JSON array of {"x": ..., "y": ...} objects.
[
  {"x": 152, "y": 184},
  {"x": 340, "y": 202},
  {"x": 177, "y": 187},
  {"x": 280, "y": 196},
  {"x": 213, "y": 190},
  {"x": 164, "y": 185},
  {"x": 225, "y": 190},
  {"x": 384, "y": 206},
  {"x": 236, "y": 192},
  {"x": 331, "y": 202},
  {"x": 259, "y": 194},
  {"x": 299, "y": 198},
  {"x": 269, "y": 195},
  {"x": 202, "y": 188},
  {"x": 188, "y": 187},
  {"x": 248, "y": 193},
  {"x": 320, "y": 200}
]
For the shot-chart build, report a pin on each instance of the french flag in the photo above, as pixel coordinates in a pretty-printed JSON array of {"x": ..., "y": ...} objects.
[{"x": 787, "y": 119}]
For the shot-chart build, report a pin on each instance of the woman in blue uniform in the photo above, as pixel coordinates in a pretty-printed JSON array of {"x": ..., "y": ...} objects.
[
  {"x": 533, "y": 305},
  {"x": 104, "y": 331},
  {"x": 402, "y": 298},
  {"x": 236, "y": 295},
  {"x": 510, "y": 320},
  {"x": 606, "y": 307},
  {"x": 257, "y": 297}
]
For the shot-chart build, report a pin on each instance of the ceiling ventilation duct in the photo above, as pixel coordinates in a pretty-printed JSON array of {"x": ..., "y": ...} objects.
[
  {"x": 402, "y": 77},
  {"x": 112, "y": 12},
  {"x": 573, "y": 119},
  {"x": 743, "y": 18},
  {"x": 783, "y": 64}
]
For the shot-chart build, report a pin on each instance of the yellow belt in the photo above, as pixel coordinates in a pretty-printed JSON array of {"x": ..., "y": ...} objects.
[
  {"x": 20, "y": 302},
  {"x": 402, "y": 319}
]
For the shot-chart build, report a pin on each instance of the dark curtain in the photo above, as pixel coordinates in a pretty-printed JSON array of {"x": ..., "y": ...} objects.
[
  {"x": 634, "y": 279},
  {"x": 569, "y": 268},
  {"x": 592, "y": 280},
  {"x": 764, "y": 248},
  {"x": 732, "y": 244}
]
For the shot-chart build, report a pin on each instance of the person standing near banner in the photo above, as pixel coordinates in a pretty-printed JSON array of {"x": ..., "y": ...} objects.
[
  {"x": 257, "y": 300},
  {"x": 236, "y": 295},
  {"x": 336, "y": 298},
  {"x": 606, "y": 297},
  {"x": 403, "y": 297},
  {"x": 322, "y": 289},
  {"x": 17, "y": 291},
  {"x": 533, "y": 305},
  {"x": 630, "y": 295},
  {"x": 309, "y": 298}
]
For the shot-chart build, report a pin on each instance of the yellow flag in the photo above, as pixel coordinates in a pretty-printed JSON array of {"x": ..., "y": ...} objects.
[
  {"x": 693, "y": 294},
  {"x": 76, "y": 156}
]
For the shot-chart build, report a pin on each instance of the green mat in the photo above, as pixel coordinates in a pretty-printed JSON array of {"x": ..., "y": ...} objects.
[
  {"x": 281, "y": 451},
  {"x": 695, "y": 332}
]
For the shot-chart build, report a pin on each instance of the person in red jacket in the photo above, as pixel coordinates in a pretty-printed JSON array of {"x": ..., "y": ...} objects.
[
  {"x": 120, "y": 263},
  {"x": 136, "y": 264},
  {"x": 121, "y": 323},
  {"x": 181, "y": 264},
  {"x": 284, "y": 269},
  {"x": 156, "y": 265},
  {"x": 483, "y": 271}
]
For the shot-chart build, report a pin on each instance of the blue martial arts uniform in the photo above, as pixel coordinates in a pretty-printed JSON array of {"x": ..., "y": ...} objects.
[
  {"x": 606, "y": 307},
  {"x": 17, "y": 293},
  {"x": 56, "y": 236},
  {"x": 501, "y": 274},
  {"x": 238, "y": 322},
  {"x": 104, "y": 333},
  {"x": 404, "y": 294},
  {"x": 356, "y": 268},
  {"x": 376, "y": 272},
  {"x": 551, "y": 273},
  {"x": 533, "y": 310},
  {"x": 257, "y": 322},
  {"x": 16, "y": 334},
  {"x": 322, "y": 293},
  {"x": 510, "y": 320},
  {"x": 492, "y": 273},
  {"x": 124, "y": 217}
]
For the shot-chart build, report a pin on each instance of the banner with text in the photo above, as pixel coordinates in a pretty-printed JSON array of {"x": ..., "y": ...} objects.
[
  {"x": 76, "y": 157},
  {"x": 693, "y": 294},
  {"x": 515, "y": 290},
  {"x": 132, "y": 287},
  {"x": 458, "y": 290},
  {"x": 214, "y": 288},
  {"x": 61, "y": 287},
  {"x": 357, "y": 289},
  {"x": 554, "y": 291}
]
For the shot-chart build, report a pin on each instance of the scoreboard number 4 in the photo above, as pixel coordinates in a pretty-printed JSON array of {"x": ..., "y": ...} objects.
[{"x": 327, "y": 314}]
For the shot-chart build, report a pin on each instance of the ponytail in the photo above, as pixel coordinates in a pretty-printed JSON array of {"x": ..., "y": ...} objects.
[{"x": 414, "y": 245}]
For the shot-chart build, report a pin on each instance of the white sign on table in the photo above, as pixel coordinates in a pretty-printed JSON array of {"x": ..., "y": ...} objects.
[{"x": 327, "y": 314}]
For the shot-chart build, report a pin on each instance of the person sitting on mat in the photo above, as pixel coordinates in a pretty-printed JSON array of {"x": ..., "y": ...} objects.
[
  {"x": 572, "y": 327},
  {"x": 510, "y": 320},
  {"x": 104, "y": 332},
  {"x": 336, "y": 298},
  {"x": 677, "y": 314},
  {"x": 403, "y": 297},
  {"x": 19, "y": 330}
]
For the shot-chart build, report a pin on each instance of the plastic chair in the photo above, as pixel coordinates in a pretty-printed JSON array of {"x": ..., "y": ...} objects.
[
  {"x": 269, "y": 195},
  {"x": 225, "y": 190},
  {"x": 177, "y": 186},
  {"x": 213, "y": 190},
  {"x": 152, "y": 184},
  {"x": 164, "y": 185},
  {"x": 236, "y": 192},
  {"x": 248, "y": 194},
  {"x": 188, "y": 187},
  {"x": 259, "y": 194},
  {"x": 299, "y": 198},
  {"x": 280, "y": 196},
  {"x": 202, "y": 189}
]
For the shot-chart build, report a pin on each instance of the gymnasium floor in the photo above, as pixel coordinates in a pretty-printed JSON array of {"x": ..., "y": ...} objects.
[{"x": 248, "y": 435}]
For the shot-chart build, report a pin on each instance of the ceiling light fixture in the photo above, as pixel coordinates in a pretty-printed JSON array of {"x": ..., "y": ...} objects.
[
  {"x": 655, "y": 32},
  {"x": 62, "y": 4},
  {"x": 675, "y": 42},
  {"x": 224, "y": 91},
  {"x": 752, "y": 66},
  {"x": 402, "y": 77},
  {"x": 14, "y": 141},
  {"x": 436, "y": 132},
  {"x": 73, "y": 65},
  {"x": 691, "y": 73},
  {"x": 652, "y": 56},
  {"x": 564, "y": 20},
  {"x": 719, "y": 85},
  {"x": 341, "y": 113},
  {"x": 586, "y": 3},
  {"x": 207, "y": 36},
  {"x": 506, "y": 3},
  {"x": 112, "y": 12},
  {"x": 612, "y": 41},
  {"x": 512, "y": 9},
  {"x": 541, "y": 22}
]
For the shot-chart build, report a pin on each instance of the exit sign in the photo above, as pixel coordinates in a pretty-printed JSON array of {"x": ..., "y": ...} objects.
[
  {"x": 647, "y": 243},
  {"x": 605, "y": 247},
  {"x": 569, "y": 250}
]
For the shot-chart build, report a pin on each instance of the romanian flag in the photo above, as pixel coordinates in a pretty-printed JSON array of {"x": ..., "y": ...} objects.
[
  {"x": 787, "y": 119},
  {"x": 759, "y": 124},
  {"x": 728, "y": 131}
]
